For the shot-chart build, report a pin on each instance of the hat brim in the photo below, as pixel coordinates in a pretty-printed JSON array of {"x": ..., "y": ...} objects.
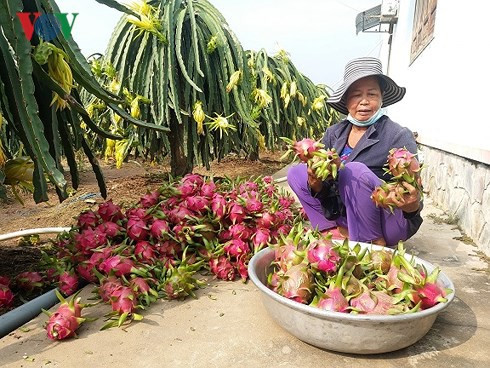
[{"x": 392, "y": 93}]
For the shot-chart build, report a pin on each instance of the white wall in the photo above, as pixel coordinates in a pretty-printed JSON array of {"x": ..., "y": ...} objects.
[{"x": 448, "y": 85}]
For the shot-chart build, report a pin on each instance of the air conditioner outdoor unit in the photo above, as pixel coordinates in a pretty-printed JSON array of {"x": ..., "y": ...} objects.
[{"x": 389, "y": 11}]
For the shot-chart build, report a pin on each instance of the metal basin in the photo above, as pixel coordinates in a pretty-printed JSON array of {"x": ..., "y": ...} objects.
[{"x": 343, "y": 332}]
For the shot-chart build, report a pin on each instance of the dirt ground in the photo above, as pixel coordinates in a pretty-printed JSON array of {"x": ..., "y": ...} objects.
[{"x": 124, "y": 186}]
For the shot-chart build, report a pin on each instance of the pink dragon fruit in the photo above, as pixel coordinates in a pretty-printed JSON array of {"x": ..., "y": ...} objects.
[
  {"x": 253, "y": 205},
  {"x": 65, "y": 321},
  {"x": 266, "y": 220},
  {"x": 86, "y": 271},
  {"x": 260, "y": 238},
  {"x": 136, "y": 229},
  {"x": 403, "y": 163},
  {"x": 393, "y": 282},
  {"x": 123, "y": 300},
  {"x": 248, "y": 186},
  {"x": 27, "y": 281},
  {"x": 159, "y": 229},
  {"x": 90, "y": 239},
  {"x": 286, "y": 201},
  {"x": 241, "y": 265},
  {"x": 240, "y": 231},
  {"x": 99, "y": 256},
  {"x": 150, "y": 199},
  {"x": 139, "y": 285},
  {"x": 87, "y": 219},
  {"x": 218, "y": 205},
  {"x": 137, "y": 213},
  {"x": 304, "y": 148},
  {"x": 68, "y": 283},
  {"x": 273, "y": 281},
  {"x": 108, "y": 286},
  {"x": 144, "y": 251},
  {"x": 120, "y": 265},
  {"x": 208, "y": 189},
  {"x": 237, "y": 213},
  {"x": 429, "y": 295},
  {"x": 334, "y": 301},
  {"x": 179, "y": 214},
  {"x": 222, "y": 268},
  {"x": 267, "y": 179},
  {"x": 6, "y": 297},
  {"x": 111, "y": 229},
  {"x": 323, "y": 256},
  {"x": 108, "y": 211},
  {"x": 198, "y": 204},
  {"x": 236, "y": 248},
  {"x": 363, "y": 303},
  {"x": 297, "y": 284}
]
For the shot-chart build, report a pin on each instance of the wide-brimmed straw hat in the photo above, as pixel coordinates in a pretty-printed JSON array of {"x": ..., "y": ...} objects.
[{"x": 360, "y": 68}]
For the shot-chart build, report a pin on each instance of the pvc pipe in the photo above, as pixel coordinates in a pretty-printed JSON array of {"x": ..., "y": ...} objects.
[
  {"x": 41, "y": 230},
  {"x": 24, "y": 313}
]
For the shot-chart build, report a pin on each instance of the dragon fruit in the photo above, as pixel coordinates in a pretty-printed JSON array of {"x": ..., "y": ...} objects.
[
  {"x": 28, "y": 281},
  {"x": 108, "y": 211},
  {"x": 90, "y": 239},
  {"x": 159, "y": 229},
  {"x": 403, "y": 164},
  {"x": 181, "y": 283},
  {"x": 6, "y": 297},
  {"x": 65, "y": 321},
  {"x": 381, "y": 260},
  {"x": 150, "y": 199},
  {"x": 241, "y": 265},
  {"x": 266, "y": 220},
  {"x": 68, "y": 283},
  {"x": 237, "y": 213},
  {"x": 86, "y": 271},
  {"x": 240, "y": 231},
  {"x": 108, "y": 286},
  {"x": 137, "y": 213},
  {"x": 123, "y": 300},
  {"x": 144, "y": 251},
  {"x": 218, "y": 205},
  {"x": 197, "y": 204},
  {"x": 87, "y": 219},
  {"x": 179, "y": 214},
  {"x": 322, "y": 255},
  {"x": 208, "y": 189},
  {"x": 111, "y": 229},
  {"x": 120, "y": 265},
  {"x": 222, "y": 268},
  {"x": 137, "y": 229},
  {"x": 253, "y": 205},
  {"x": 236, "y": 248},
  {"x": 297, "y": 284},
  {"x": 260, "y": 238},
  {"x": 4, "y": 280}
]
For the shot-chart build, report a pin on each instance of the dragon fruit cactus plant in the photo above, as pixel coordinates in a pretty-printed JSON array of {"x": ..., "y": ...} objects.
[{"x": 325, "y": 163}]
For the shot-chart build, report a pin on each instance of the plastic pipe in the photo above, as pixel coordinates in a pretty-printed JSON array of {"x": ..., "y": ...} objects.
[
  {"x": 41, "y": 230},
  {"x": 24, "y": 313}
]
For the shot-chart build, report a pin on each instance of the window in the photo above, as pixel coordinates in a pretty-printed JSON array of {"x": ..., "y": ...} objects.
[{"x": 423, "y": 26}]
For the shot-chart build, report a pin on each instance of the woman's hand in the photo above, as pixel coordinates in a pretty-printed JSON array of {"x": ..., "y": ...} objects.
[
  {"x": 410, "y": 202},
  {"x": 314, "y": 183}
]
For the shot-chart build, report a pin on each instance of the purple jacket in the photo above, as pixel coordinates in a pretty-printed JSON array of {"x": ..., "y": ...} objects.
[{"x": 373, "y": 148}]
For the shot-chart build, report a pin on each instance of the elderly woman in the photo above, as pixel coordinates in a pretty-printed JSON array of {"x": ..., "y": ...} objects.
[{"x": 363, "y": 141}]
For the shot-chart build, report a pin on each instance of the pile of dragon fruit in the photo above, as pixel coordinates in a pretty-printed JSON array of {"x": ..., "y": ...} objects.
[
  {"x": 311, "y": 269},
  {"x": 155, "y": 248}
]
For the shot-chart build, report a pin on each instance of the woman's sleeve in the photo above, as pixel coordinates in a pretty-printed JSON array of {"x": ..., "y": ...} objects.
[{"x": 405, "y": 138}]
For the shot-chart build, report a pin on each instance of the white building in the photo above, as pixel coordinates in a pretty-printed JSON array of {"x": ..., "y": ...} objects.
[{"x": 438, "y": 53}]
